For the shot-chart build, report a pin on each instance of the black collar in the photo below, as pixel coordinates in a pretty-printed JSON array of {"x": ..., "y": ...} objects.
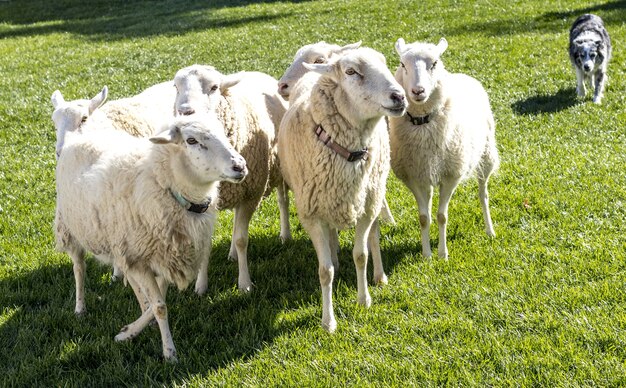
[
  {"x": 418, "y": 120},
  {"x": 190, "y": 206}
]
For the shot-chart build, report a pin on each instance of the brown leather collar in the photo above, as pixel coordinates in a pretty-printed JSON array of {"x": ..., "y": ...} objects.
[{"x": 353, "y": 156}]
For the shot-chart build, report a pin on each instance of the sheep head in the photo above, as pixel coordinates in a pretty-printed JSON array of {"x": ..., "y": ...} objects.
[
  {"x": 69, "y": 115},
  {"x": 199, "y": 87},
  {"x": 206, "y": 154},
  {"x": 420, "y": 68},
  {"x": 368, "y": 88},
  {"x": 319, "y": 52}
]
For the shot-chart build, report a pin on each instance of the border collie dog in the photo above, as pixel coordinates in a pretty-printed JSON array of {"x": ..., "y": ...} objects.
[{"x": 590, "y": 51}]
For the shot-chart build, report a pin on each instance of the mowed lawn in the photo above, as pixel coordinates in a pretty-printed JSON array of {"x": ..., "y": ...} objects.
[{"x": 542, "y": 304}]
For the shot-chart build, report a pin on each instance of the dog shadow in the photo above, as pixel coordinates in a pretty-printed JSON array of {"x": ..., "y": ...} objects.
[{"x": 563, "y": 99}]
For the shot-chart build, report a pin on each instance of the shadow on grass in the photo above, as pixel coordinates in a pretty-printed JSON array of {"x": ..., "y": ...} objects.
[
  {"x": 563, "y": 99},
  {"x": 118, "y": 19},
  {"x": 612, "y": 12},
  {"x": 44, "y": 343}
]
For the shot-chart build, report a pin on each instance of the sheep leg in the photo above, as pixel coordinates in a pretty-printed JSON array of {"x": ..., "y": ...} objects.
[
  {"x": 243, "y": 214},
  {"x": 424, "y": 197},
  {"x": 320, "y": 236},
  {"x": 385, "y": 213},
  {"x": 79, "y": 266},
  {"x": 359, "y": 254},
  {"x": 141, "y": 298},
  {"x": 446, "y": 189},
  {"x": 202, "y": 281},
  {"x": 282, "y": 194},
  {"x": 158, "y": 310},
  {"x": 334, "y": 247},
  {"x": 483, "y": 195},
  {"x": 373, "y": 241}
]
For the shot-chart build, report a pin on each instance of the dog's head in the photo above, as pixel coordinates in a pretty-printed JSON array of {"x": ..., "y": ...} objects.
[{"x": 588, "y": 54}]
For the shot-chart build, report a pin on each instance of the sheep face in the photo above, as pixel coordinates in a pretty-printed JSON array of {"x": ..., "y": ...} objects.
[
  {"x": 319, "y": 52},
  {"x": 69, "y": 115},
  {"x": 369, "y": 87},
  {"x": 420, "y": 68},
  {"x": 198, "y": 89},
  {"x": 208, "y": 155}
]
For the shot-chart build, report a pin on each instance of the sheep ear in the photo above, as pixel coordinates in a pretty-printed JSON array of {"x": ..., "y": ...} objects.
[
  {"x": 57, "y": 99},
  {"x": 321, "y": 68},
  {"x": 400, "y": 46},
  {"x": 171, "y": 134},
  {"x": 231, "y": 80},
  {"x": 350, "y": 46},
  {"x": 442, "y": 45},
  {"x": 98, "y": 100}
]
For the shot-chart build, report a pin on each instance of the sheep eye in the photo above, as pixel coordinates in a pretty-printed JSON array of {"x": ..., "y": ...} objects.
[
  {"x": 319, "y": 60},
  {"x": 83, "y": 119},
  {"x": 433, "y": 65},
  {"x": 402, "y": 64},
  {"x": 214, "y": 88},
  {"x": 350, "y": 71},
  {"x": 192, "y": 141}
]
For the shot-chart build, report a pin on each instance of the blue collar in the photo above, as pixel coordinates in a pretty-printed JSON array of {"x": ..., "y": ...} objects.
[{"x": 190, "y": 206}]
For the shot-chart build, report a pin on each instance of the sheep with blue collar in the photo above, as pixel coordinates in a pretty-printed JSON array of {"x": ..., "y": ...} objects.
[{"x": 144, "y": 205}]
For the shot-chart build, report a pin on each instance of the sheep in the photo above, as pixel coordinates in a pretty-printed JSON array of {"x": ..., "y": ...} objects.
[
  {"x": 145, "y": 205},
  {"x": 334, "y": 152},
  {"x": 250, "y": 110},
  {"x": 298, "y": 79},
  {"x": 319, "y": 52},
  {"x": 448, "y": 133},
  {"x": 69, "y": 115},
  {"x": 140, "y": 115}
]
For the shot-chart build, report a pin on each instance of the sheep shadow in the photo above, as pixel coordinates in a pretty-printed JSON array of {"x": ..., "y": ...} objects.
[
  {"x": 563, "y": 99},
  {"x": 109, "y": 20},
  {"x": 46, "y": 344}
]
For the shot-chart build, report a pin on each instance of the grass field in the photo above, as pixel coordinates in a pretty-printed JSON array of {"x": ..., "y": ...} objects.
[{"x": 543, "y": 304}]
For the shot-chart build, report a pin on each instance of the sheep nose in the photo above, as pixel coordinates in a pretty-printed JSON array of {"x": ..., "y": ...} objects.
[
  {"x": 282, "y": 88},
  {"x": 239, "y": 165},
  {"x": 397, "y": 97},
  {"x": 186, "y": 110},
  {"x": 418, "y": 90}
]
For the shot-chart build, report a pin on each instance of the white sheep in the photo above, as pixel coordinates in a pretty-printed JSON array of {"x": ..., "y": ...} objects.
[
  {"x": 146, "y": 206},
  {"x": 140, "y": 115},
  {"x": 317, "y": 53},
  {"x": 334, "y": 152},
  {"x": 448, "y": 133},
  {"x": 251, "y": 110},
  {"x": 70, "y": 115}
]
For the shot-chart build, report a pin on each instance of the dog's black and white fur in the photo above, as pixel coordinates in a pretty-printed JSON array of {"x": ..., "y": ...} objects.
[{"x": 590, "y": 51}]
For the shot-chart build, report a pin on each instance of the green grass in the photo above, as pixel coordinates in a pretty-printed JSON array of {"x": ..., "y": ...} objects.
[{"x": 542, "y": 304}]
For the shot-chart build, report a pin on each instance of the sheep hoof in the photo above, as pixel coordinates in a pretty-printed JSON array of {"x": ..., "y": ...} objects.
[
  {"x": 232, "y": 257},
  {"x": 284, "y": 239},
  {"x": 170, "y": 356},
  {"x": 381, "y": 280},
  {"x": 443, "y": 255},
  {"x": 80, "y": 312},
  {"x": 330, "y": 326},
  {"x": 365, "y": 301},
  {"x": 200, "y": 289},
  {"x": 123, "y": 335},
  {"x": 491, "y": 233},
  {"x": 246, "y": 289}
]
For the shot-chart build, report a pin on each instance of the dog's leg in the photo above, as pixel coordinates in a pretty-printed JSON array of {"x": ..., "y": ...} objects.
[
  {"x": 600, "y": 80},
  {"x": 580, "y": 79}
]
